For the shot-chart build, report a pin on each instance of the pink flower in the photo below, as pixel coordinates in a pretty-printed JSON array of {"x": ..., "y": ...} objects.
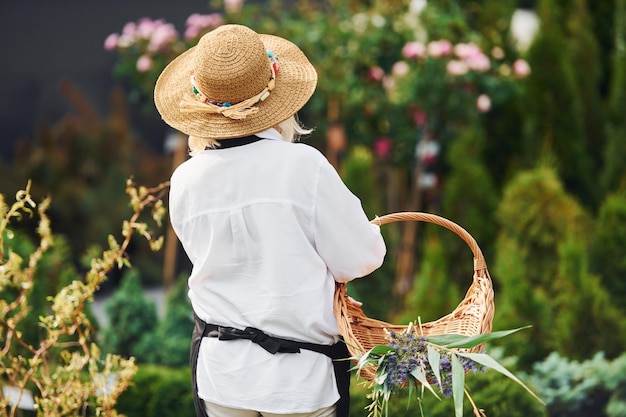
[
  {"x": 388, "y": 83},
  {"x": 233, "y": 6},
  {"x": 129, "y": 29},
  {"x": 376, "y": 73},
  {"x": 162, "y": 36},
  {"x": 483, "y": 103},
  {"x": 457, "y": 68},
  {"x": 466, "y": 50},
  {"x": 198, "y": 24},
  {"x": 439, "y": 48},
  {"x": 521, "y": 68},
  {"x": 144, "y": 63},
  {"x": 192, "y": 32},
  {"x": 400, "y": 69},
  {"x": 412, "y": 50},
  {"x": 382, "y": 147},
  {"x": 110, "y": 43},
  {"x": 480, "y": 62},
  {"x": 146, "y": 26},
  {"x": 125, "y": 41},
  {"x": 419, "y": 116}
]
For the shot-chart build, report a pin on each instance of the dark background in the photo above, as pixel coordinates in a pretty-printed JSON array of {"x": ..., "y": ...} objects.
[{"x": 46, "y": 42}]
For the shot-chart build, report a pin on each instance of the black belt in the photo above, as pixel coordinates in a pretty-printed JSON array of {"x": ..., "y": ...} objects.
[
  {"x": 338, "y": 352},
  {"x": 271, "y": 344}
]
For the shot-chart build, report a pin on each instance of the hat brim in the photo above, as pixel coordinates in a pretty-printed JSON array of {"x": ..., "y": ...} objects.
[{"x": 295, "y": 84}]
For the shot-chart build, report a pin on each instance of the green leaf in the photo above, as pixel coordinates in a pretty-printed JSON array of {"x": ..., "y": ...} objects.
[
  {"x": 418, "y": 373},
  {"x": 379, "y": 379},
  {"x": 458, "y": 384},
  {"x": 489, "y": 362},
  {"x": 468, "y": 342},
  {"x": 445, "y": 339},
  {"x": 434, "y": 358},
  {"x": 380, "y": 350}
]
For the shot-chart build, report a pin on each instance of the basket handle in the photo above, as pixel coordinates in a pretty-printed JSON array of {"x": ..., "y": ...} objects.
[{"x": 479, "y": 259}]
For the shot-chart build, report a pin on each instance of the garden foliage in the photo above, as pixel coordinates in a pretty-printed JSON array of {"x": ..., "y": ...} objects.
[
  {"x": 441, "y": 112},
  {"x": 63, "y": 371}
]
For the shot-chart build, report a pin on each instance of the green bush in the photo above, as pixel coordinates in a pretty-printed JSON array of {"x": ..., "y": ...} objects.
[
  {"x": 607, "y": 250},
  {"x": 169, "y": 344},
  {"x": 579, "y": 389},
  {"x": 158, "y": 391},
  {"x": 131, "y": 316},
  {"x": 542, "y": 274}
]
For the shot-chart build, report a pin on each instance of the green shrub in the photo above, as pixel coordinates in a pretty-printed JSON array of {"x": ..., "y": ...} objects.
[
  {"x": 63, "y": 369},
  {"x": 579, "y": 389},
  {"x": 542, "y": 274},
  {"x": 607, "y": 249},
  {"x": 158, "y": 391},
  {"x": 169, "y": 344},
  {"x": 131, "y": 316}
]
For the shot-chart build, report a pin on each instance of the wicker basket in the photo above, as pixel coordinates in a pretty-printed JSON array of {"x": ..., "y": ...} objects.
[{"x": 473, "y": 315}]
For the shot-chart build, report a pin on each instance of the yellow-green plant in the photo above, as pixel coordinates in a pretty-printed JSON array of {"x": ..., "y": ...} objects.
[{"x": 64, "y": 370}]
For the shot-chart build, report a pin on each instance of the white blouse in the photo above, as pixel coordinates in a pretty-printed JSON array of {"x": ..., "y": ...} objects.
[{"x": 269, "y": 227}]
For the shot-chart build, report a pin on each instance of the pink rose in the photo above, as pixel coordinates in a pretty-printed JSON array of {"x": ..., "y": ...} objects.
[
  {"x": 466, "y": 50},
  {"x": 144, "y": 63},
  {"x": 483, "y": 103},
  {"x": 376, "y": 73},
  {"x": 400, "y": 69},
  {"x": 213, "y": 20},
  {"x": 110, "y": 43},
  {"x": 419, "y": 116},
  {"x": 521, "y": 68},
  {"x": 480, "y": 62},
  {"x": 382, "y": 147},
  {"x": 439, "y": 48},
  {"x": 125, "y": 41},
  {"x": 412, "y": 50},
  {"x": 145, "y": 27},
  {"x": 198, "y": 24},
  {"x": 162, "y": 36},
  {"x": 192, "y": 32},
  {"x": 389, "y": 83},
  {"x": 457, "y": 68},
  {"x": 130, "y": 29}
]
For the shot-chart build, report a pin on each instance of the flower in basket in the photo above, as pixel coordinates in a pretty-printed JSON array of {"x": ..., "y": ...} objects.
[
  {"x": 146, "y": 46},
  {"x": 438, "y": 364}
]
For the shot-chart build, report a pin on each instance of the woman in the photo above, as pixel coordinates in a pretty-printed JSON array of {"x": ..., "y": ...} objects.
[{"x": 268, "y": 226}]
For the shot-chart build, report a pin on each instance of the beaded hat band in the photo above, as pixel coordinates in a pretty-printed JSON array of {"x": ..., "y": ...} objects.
[{"x": 234, "y": 83}]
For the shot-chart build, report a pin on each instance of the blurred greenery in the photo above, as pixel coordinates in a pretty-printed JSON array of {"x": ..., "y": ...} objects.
[
  {"x": 132, "y": 316},
  {"x": 539, "y": 179},
  {"x": 172, "y": 335},
  {"x": 158, "y": 391}
]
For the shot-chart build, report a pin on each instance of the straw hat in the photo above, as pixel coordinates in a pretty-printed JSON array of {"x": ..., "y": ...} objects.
[{"x": 234, "y": 83}]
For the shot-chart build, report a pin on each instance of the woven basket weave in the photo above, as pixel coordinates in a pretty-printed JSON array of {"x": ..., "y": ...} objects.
[{"x": 473, "y": 315}]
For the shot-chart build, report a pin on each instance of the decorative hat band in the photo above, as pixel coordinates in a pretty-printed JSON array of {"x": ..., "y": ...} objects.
[{"x": 201, "y": 103}]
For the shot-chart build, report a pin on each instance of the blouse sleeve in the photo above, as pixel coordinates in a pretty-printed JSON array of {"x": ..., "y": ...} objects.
[{"x": 350, "y": 245}]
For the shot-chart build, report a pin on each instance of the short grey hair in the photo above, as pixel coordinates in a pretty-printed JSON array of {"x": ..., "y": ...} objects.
[{"x": 291, "y": 130}]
